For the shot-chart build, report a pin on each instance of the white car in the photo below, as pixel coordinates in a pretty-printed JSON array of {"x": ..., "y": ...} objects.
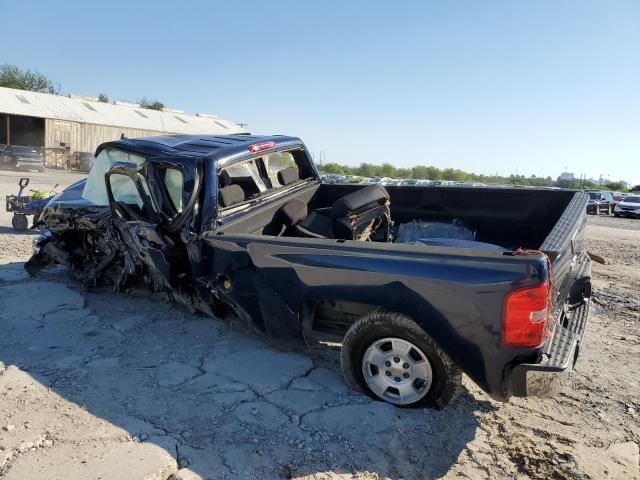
[
  {"x": 628, "y": 207},
  {"x": 379, "y": 180},
  {"x": 412, "y": 182}
]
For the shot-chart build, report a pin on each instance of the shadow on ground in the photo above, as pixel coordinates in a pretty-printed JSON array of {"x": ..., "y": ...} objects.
[
  {"x": 124, "y": 385},
  {"x": 13, "y": 231}
]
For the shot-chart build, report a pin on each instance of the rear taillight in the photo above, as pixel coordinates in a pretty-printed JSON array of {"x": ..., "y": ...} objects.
[{"x": 525, "y": 316}]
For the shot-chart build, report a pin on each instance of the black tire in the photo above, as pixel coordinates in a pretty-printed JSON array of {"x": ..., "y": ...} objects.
[
  {"x": 616, "y": 214},
  {"x": 19, "y": 221},
  {"x": 447, "y": 377}
]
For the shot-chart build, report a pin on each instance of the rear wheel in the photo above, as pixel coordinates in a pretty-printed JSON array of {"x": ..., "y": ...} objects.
[
  {"x": 19, "y": 221},
  {"x": 389, "y": 357}
]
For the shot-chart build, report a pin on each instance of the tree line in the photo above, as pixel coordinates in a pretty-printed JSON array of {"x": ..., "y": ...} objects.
[{"x": 454, "y": 174}]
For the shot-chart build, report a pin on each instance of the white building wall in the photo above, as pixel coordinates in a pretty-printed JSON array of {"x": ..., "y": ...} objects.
[{"x": 85, "y": 137}]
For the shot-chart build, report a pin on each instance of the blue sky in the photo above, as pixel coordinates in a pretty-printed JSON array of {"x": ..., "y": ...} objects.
[{"x": 532, "y": 86}]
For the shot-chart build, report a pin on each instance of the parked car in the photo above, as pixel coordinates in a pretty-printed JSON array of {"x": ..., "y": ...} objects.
[
  {"x": 600, "y": 202},
  {"x": 444, "y": 183},
  {"x": 628, "y": 207},
  {"x": 419, "y": 285},
  {"x": 617, "y": 198},
  {"x": 23, "y": 157},
  {"x": 379, "y": 181},
  {"x": 415, "y": 182},
  {"x": 334, "y": 178},
  {"x": 354, "y": 179}
]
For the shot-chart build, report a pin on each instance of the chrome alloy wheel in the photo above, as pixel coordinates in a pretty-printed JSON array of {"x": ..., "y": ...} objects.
[{"x": 397, "y": 371}]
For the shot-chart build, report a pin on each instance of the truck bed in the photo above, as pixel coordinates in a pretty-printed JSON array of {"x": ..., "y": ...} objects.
[{"x": 508, "y": 217}]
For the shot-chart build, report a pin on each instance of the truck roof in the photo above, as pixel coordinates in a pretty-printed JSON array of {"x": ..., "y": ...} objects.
[{"x": 210, "y": 146}]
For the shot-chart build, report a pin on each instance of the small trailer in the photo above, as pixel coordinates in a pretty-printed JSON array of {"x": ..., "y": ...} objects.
[{"x": 23, "y": 205}]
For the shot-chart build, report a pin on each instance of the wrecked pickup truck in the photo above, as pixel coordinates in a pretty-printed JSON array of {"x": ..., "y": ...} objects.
[{"x": 419, "y": 283}]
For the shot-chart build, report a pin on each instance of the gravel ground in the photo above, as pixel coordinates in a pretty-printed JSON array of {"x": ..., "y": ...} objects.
[
  {"x": 613, "y": 222},
  {"x": 99, "y": 385}
]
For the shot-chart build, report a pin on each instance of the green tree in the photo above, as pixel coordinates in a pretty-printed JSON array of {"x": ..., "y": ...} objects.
[
  {"x": 635, "y": 188},
  {"x": 103, "y": 98},
  {"x": 388, "y": 170},
  {"x": 403, "y": 173},
  {"x": 617, "y": 186},
  {"x": 419, "y": 172},
  {"x": 31, "y": 80},
  {"x": 366, "y": 170},
  {"x": 454, "y": 174},
  {"x": 332, "y": 168},
  {"x": 151, "y": 104},
  {"x": 433, "y": 173}
]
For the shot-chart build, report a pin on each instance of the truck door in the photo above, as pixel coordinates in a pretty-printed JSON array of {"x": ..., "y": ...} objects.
[{"x": 152, "y": 207}]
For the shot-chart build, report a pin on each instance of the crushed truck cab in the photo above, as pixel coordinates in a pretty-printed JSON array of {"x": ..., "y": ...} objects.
[{"x": 418, "y": 283}]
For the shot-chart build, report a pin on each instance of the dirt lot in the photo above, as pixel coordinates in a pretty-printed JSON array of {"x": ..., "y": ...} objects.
[{"x": 99, "y": 385}]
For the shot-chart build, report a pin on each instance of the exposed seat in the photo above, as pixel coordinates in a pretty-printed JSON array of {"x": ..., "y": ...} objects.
[
  {"x": 231, "y": 195},
  {"x": 293, "y": 212},
  {"x": 288, "y": 175},
  {"x": 356, "y": 216},
  {"x": 246, "y": 183},
  {"x": 316, "y": 225},
  {"x": 297, "y": 222}
]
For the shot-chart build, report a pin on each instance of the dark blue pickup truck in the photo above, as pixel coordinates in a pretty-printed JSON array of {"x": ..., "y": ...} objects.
[{"x": 417, "y": 283}]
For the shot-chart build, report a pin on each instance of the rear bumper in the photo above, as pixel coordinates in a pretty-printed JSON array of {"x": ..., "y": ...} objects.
[{"x": 548, "y": 377}]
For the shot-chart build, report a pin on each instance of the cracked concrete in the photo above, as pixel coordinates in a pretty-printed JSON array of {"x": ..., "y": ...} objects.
[
  {"x": 128, "y": 386},
  {"x": 98, "y": 385}
]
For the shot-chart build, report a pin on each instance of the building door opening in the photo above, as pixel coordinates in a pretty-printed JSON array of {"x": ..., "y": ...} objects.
[{"x": 19, "y": 130}]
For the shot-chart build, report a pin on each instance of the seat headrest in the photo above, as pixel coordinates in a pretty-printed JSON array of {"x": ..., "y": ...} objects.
[
  {"x": 225, "y": 179},
  {"x": 288, "y": 175},
  {"x": 231, "y": 195},
  {"x": 372, "y": 195},
  {"x": 293, "y": 212}
]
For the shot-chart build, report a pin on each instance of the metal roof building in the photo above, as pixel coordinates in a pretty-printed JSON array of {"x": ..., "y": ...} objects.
[{"x": 80, "y": 124}]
